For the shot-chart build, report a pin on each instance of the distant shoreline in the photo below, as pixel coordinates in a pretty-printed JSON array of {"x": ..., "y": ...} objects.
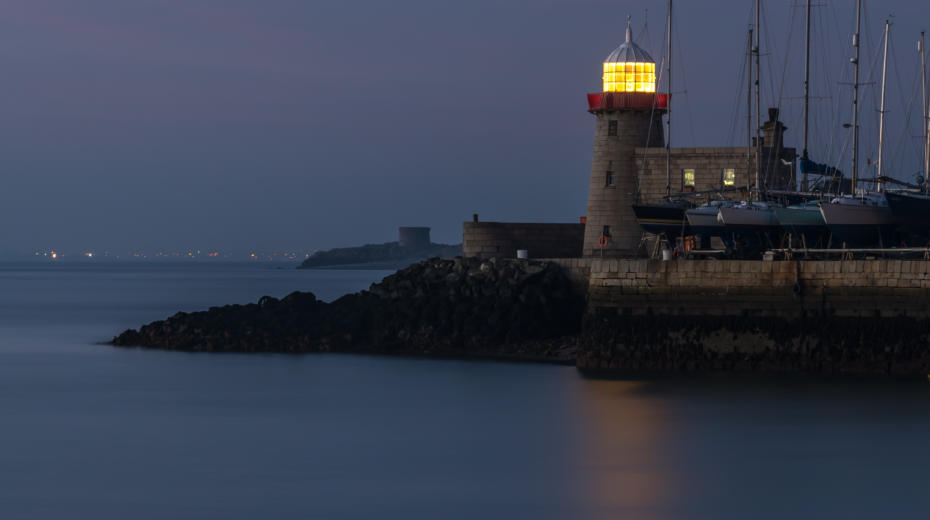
[{"x": 390, "y": 255}]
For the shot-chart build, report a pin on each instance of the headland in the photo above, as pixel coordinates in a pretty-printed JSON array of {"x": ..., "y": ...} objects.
[{"x": 413, "y": 244}]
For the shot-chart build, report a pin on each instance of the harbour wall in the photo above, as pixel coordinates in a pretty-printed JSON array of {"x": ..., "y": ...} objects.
[
  {"x": 502, "y": 239},
  {"x": 849, "y": 317}
]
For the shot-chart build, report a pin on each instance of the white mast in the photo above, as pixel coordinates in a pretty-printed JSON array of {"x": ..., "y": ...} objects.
[
  {"x": 807, "y": 80},
  {"x": 807, "y": 77},
  {"x": 855, "y": 161},
  {"x": 926, "y": 115},
  {"x": 749, "y": 116},
  {"x": 668, "y": 103},
  {"x": 881, "y": 113},
  {"x": 758, "y": 102}
]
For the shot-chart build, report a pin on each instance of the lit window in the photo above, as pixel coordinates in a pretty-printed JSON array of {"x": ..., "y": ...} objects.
[
  {"x": 687, "y": 176},
  {"x": 729, "y": 177},
  {"x": 612, "y": 127},
  {"x": 629, "y": 77},
  {"x": 609, "y": 179}
]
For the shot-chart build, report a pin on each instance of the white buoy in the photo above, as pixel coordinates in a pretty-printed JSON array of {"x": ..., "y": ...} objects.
[
  {"x": 523, "y": 254},
  {"x": 666, "y": 254}
]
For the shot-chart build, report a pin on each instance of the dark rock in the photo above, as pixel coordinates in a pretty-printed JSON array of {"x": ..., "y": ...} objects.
[{"x": 458, "y": 307}]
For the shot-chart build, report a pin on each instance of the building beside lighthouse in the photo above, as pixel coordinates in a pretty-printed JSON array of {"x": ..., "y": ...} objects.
[{"x": 629, "y": 164}]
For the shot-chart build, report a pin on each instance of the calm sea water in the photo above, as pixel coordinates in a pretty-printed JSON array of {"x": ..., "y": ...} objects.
[{"x": 91, "y": 431}]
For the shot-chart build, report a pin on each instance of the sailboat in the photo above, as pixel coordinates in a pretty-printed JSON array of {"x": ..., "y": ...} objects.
[
  {"x": 804, "y": 220},
  {"x": 666, "y": 217},
  {"x": 862, "y": 218},
  {"x": 911, "y": 209},
  {"x": 753, "y": 221}
]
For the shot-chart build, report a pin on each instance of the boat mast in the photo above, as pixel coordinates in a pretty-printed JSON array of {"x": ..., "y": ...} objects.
[
  {"x": 668, "y": 104},
  {"x": 881, "y": 112},
  {"x": 758, "y": 102},
  {"x": 855, "y": 161},
  {"x": 749, "y": 116},
  {"x": 926, "y": 115},
  {"x": 807, "y": 79}
]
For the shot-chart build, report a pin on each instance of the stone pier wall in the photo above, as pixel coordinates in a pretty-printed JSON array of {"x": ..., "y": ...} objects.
[
  {"x": 733, "y": 287},
  {"x": 849, "y": 317},
  {"x": 503, "y": 239}
]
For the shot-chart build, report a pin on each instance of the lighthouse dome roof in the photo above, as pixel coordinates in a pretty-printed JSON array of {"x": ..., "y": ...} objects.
[{"x": 629, "y": 51}]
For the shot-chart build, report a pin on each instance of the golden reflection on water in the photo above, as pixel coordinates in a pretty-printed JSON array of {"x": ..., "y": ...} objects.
[{"x": 626, "y": 452}]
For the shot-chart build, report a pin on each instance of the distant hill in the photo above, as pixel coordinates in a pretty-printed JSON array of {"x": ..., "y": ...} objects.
[{"x": 390, "y": 254}]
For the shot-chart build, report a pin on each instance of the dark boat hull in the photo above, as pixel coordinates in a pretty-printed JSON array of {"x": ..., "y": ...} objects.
[
  {"x": 658, "y": 219},
  {"x": 912, "y": 213},
  {"x": 860, "y": 226}
]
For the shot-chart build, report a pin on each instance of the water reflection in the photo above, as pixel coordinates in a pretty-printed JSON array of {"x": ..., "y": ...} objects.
[
  {"x": 627, "y": 457},
  {"x": 733, "y": 447}
]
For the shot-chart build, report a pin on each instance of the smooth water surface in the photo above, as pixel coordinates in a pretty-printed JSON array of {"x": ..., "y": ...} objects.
[{"x": 92, "y": 431}]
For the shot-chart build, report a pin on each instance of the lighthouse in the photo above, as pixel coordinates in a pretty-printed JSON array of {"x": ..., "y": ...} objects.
[{"x": 628, "y": 114}]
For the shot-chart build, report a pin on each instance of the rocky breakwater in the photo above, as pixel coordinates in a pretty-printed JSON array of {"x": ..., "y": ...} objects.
[{"x": 447, "y": 308}]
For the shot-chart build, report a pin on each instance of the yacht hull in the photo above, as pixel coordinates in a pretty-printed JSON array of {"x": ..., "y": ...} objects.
[
  {"x": 807, "y": 222},
  {"x": 859, "y": 225},
  {"x": 668, "y": 219},
  {"x": 912, "y": 214},
  {"x": 753, "y": 227},
  {"x": 703, "y": 222}
]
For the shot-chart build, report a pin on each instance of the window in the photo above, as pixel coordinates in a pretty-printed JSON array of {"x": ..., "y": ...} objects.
[
  {"x": 687, "y": 177},
  {"x": 606, "y": 232},
  {"x": 609, "y": 179},
  {"x": 612, "y": 127},
  {"x": 729, "y": 177}
]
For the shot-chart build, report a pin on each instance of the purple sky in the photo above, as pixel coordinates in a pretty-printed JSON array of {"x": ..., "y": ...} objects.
[{"x": 298, "y": 124}]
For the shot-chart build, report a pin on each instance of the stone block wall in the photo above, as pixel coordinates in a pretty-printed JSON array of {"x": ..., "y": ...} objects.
[
  {"x": 708, "y": 165},
  {"x": 824, "y": 317},
  {"x": 734, "y": 287},
  {"x": 503, "y": 239},
  {"x": 617, "y": 133}
]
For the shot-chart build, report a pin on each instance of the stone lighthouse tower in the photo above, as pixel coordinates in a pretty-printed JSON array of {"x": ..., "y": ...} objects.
[{"x": 629, "y": 115}]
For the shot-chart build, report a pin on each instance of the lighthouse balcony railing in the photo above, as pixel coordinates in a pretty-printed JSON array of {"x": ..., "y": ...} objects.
[{"x": 627, "y": 100}]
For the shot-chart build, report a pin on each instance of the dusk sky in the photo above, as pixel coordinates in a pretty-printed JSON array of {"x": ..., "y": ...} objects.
[{"x": 298, "y": 124}]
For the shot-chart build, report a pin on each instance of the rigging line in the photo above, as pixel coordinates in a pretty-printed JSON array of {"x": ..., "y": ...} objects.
[
  {"x": 870, "y": 146},
  {"x": 736, "y": 111},
  {"x": 770, "y": 71},
  {"x": 644, "y": 32},
  {"x": 776, "y": 95},
  {"x": 770, "y": 167},
  {"x": 684, "y": 83},
  {"x": 838, "y": 113},
  {"x": 736, "y": 108},
  {"x": 904, "y": 140},
  {"x": 652, "y": 114},
  {"x": 818, "y": 62},
  {"x": 655, "y": 100}
]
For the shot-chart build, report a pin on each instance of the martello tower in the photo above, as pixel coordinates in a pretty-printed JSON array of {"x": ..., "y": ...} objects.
[{"x": 629, "y": 115}]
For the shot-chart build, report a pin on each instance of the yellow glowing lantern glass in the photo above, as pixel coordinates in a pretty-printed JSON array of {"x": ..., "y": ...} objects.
[
  {"x": 629, "y": 77},
  {"x": 629, "y": 68}
]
